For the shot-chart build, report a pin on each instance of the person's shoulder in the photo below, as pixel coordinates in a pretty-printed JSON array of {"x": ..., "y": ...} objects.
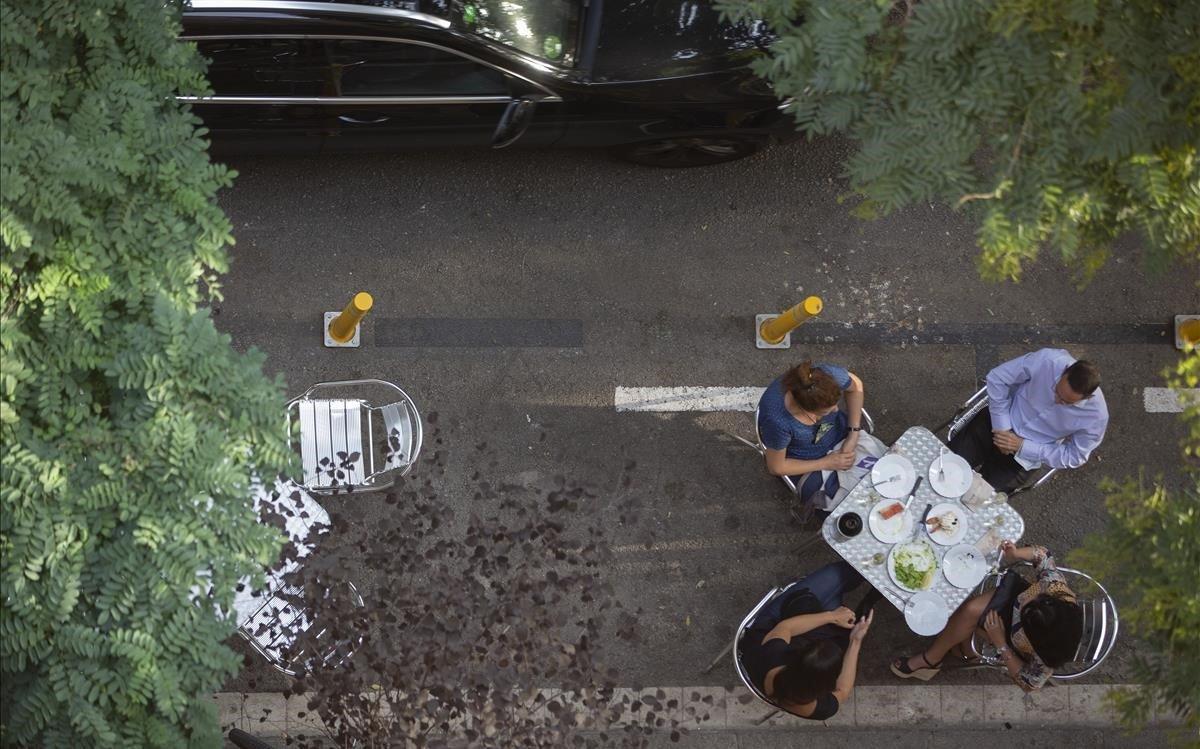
[
  {"x": 1097, "y": 405},
  {"x": 772, "y": 397}
]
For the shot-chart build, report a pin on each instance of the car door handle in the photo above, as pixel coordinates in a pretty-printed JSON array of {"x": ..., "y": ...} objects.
[{"x": 356, "y": 121}]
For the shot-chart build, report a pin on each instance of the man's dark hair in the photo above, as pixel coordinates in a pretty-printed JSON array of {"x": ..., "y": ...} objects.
[
  {"x": 811, "y": 671},
  {"x": 1083, "y": 377},
  {"x": 1054, "y": 627}
]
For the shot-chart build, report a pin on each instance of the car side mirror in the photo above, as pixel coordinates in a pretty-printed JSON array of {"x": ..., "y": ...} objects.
[{"x": 515, "y": 121}]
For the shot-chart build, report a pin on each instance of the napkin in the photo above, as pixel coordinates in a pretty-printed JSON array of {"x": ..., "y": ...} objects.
[{"x": 989, "y": 543}]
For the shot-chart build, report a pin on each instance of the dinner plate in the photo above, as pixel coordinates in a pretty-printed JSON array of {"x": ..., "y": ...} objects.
[
  {"x": 949, "y": 538},
  {"x": 893, "y": 476},
  {"x": 950, "y": 475},
  {"x": 926, "y": 613},
  {"x": 891, "y": 567},
  {"x": 896, "y": 528},
  {"x": 964, "y": 566}
]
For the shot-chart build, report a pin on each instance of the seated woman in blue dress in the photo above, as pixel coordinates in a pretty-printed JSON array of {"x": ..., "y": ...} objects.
[
  {"x": 803, "y": 431},
  {"x": 801, "y": 651}
]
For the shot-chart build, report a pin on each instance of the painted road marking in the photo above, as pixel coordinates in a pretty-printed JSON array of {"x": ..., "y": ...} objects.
[
  {"x": 1168, "y": 400},
  {"x": 673, "y": 399}
]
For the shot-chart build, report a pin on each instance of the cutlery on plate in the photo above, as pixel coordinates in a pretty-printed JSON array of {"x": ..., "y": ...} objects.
[
  {"x": 908, "y": 501},
  {"x": 889, "y": 480}
]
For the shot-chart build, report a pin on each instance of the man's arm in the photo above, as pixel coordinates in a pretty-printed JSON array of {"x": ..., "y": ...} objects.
[
  {"x": 1000, "y": 382},
  {"x": 854, "y": 405},
  {"x": 1072, "y": 452}
]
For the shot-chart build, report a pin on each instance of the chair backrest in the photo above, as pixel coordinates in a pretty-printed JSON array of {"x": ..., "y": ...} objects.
[
  {"x": 741, "y": 631},
  {"x": 976, "y": 403},
  {"x": 1100, "y": 625},
  {"x": 403, "y": 435}
]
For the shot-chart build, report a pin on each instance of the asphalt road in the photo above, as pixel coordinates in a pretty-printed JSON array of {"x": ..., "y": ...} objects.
[{"x": 515, "y": 290}]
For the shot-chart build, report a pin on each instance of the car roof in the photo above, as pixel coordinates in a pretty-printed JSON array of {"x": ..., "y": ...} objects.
[{"x": 322, "y": 6}]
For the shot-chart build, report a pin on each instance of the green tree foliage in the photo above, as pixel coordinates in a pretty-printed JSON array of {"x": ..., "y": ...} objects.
[
  {"x": 1055, "y": 123},
  {"x": 130, "y": 427},
  {"x": 1149, "y": 556}
]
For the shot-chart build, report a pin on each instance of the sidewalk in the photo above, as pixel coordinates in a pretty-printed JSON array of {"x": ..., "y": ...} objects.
[{"x": 917, "y": 710}]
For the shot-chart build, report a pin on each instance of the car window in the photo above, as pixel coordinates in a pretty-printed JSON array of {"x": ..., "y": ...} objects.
[
  {"x": 364, "y": 68},
  {"x": 267, "y": 67}
]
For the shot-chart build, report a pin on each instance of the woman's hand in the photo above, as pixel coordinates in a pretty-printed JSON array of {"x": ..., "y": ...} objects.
[
  {"x": 839, "y": 461},
  {"x": 1008, "y": 553},
  {"x": 842, "y": 616},
  {"x": 993, "y": 627},
  {"x": 860, "y": 628}
]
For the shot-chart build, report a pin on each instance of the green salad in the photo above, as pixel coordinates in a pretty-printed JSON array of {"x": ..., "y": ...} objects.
[{"x": 915, "y": 565}]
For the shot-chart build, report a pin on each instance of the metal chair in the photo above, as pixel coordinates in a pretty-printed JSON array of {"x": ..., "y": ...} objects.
[
  {"x": 269, "y": 619},
  {"x": 968, "y": 411},
  {"x": 805, "y": 511},
  {"x": 349, "y": 443},
  {"x": 1100, "y": 626},
  {"x": 736, "y": 647}
]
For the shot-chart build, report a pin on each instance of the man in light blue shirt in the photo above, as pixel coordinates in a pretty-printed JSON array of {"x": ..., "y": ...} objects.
[{"x": 1044, "y": 409}]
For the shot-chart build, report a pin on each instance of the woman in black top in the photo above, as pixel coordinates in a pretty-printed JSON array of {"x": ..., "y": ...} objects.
[{"x": 801, "y": 650}]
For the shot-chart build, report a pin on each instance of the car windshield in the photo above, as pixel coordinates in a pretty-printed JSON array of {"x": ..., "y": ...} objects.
[{"x": 546, "y": 29}]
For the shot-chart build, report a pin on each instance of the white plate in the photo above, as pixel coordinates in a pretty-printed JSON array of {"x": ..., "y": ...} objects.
[
  {"x": 964, "y": 566},
  {"x": 889, "y": 466},
  {"x": 957, "y": 472},
  {"x": 926, "y": 613},
  {"x": 895, "y": 528},
  {"x": 960, "y": 530},
  {"x": 891, "y": 567}
]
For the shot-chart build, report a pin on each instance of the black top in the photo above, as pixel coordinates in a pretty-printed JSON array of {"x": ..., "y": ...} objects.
[{"x": 760, "y": 658}]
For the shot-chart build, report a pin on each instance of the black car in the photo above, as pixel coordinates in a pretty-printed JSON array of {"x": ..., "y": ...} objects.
[{"x": 661, "y": 83}]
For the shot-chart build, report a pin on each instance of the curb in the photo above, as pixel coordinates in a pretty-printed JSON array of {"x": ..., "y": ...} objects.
[{"x": 710, "y": 709}]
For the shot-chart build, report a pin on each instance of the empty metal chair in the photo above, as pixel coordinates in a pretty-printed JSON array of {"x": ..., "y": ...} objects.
[
  {"x": 350, "y": 443},
  {"x": 968, "y": 411},
  {"x": 272, "y": 618},
  {"x": 1100, "y": 626}
]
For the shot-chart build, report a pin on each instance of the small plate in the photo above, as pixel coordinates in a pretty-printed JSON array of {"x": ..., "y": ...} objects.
[
  {"x": 960, "y": 530},
  {"x": 957, "y": 472},
  {"x": 884, "y": 472},
  {"x": 964, "y": 566},
  {"x": 895, "y": 528},
  {"x": 891, "y": 567},
  {"x": 926, "y": 613}
]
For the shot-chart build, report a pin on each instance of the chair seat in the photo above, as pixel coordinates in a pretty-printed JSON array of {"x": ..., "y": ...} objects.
[{"x": 331, "y": 441}]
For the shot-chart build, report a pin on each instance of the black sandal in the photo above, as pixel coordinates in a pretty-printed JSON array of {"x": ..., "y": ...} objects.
[{"x": 900, "y": 668}]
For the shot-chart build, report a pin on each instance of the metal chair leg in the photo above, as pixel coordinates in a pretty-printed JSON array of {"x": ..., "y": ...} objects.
[
  {"x": 745, "y": 442},
  {"x": 719, "y": 658}
]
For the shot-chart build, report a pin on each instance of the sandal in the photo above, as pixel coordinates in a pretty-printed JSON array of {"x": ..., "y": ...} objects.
[{"x": 900, "y": 668}]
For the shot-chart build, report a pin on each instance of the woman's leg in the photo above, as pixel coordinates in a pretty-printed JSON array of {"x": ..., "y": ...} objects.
[
  {"x": 960, "y": 628},
  {"x": 831, "y": 583}
]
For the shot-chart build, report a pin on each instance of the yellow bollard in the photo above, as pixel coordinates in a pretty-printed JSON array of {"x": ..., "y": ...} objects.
[
  {"x": 1189, "y": 332},
  {"x": 774, "y": 330},
  {"x": 343, "y": 327}
]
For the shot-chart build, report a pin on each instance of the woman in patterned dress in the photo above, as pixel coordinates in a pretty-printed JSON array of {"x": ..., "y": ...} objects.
[{"x": 1035, "y": 627}]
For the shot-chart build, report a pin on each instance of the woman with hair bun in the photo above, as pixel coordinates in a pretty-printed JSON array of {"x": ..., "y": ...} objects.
[
  {"x": 804, "y": 432},
  {"x": 1036, "y": 627}
]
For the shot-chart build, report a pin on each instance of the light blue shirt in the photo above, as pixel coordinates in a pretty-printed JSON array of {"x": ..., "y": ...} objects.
[{"x": 1021, "y": 399}]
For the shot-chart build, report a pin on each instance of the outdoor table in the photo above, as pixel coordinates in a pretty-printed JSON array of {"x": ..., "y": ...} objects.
[{"x": 922, "y": 447}]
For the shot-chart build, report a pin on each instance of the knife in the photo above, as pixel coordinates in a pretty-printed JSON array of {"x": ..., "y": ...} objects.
[
  {"x": 908, "y": 501},
  {"x": 924, "y": 516}
]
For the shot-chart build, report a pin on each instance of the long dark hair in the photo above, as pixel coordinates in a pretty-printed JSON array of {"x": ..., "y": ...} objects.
[
  {"x": 1054, "y": 627},
  {"x": 810, "y": 671},
  {"x": 812, "y": 389}
]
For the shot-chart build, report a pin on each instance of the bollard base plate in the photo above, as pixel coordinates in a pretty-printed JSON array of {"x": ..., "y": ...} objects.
[
  {"x": 1179, "y": 321},
  {"x": 330, "y": 343},
  {"x": 760, "y": 342}
]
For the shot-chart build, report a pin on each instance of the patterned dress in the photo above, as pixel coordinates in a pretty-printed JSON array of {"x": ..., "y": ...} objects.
[{"x": 1034, "y": 674}]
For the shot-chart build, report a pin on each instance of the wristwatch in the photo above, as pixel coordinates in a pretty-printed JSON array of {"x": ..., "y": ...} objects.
[
  {"x": 855, "y": 429},
  {"x": 1000, "y": 651}
]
